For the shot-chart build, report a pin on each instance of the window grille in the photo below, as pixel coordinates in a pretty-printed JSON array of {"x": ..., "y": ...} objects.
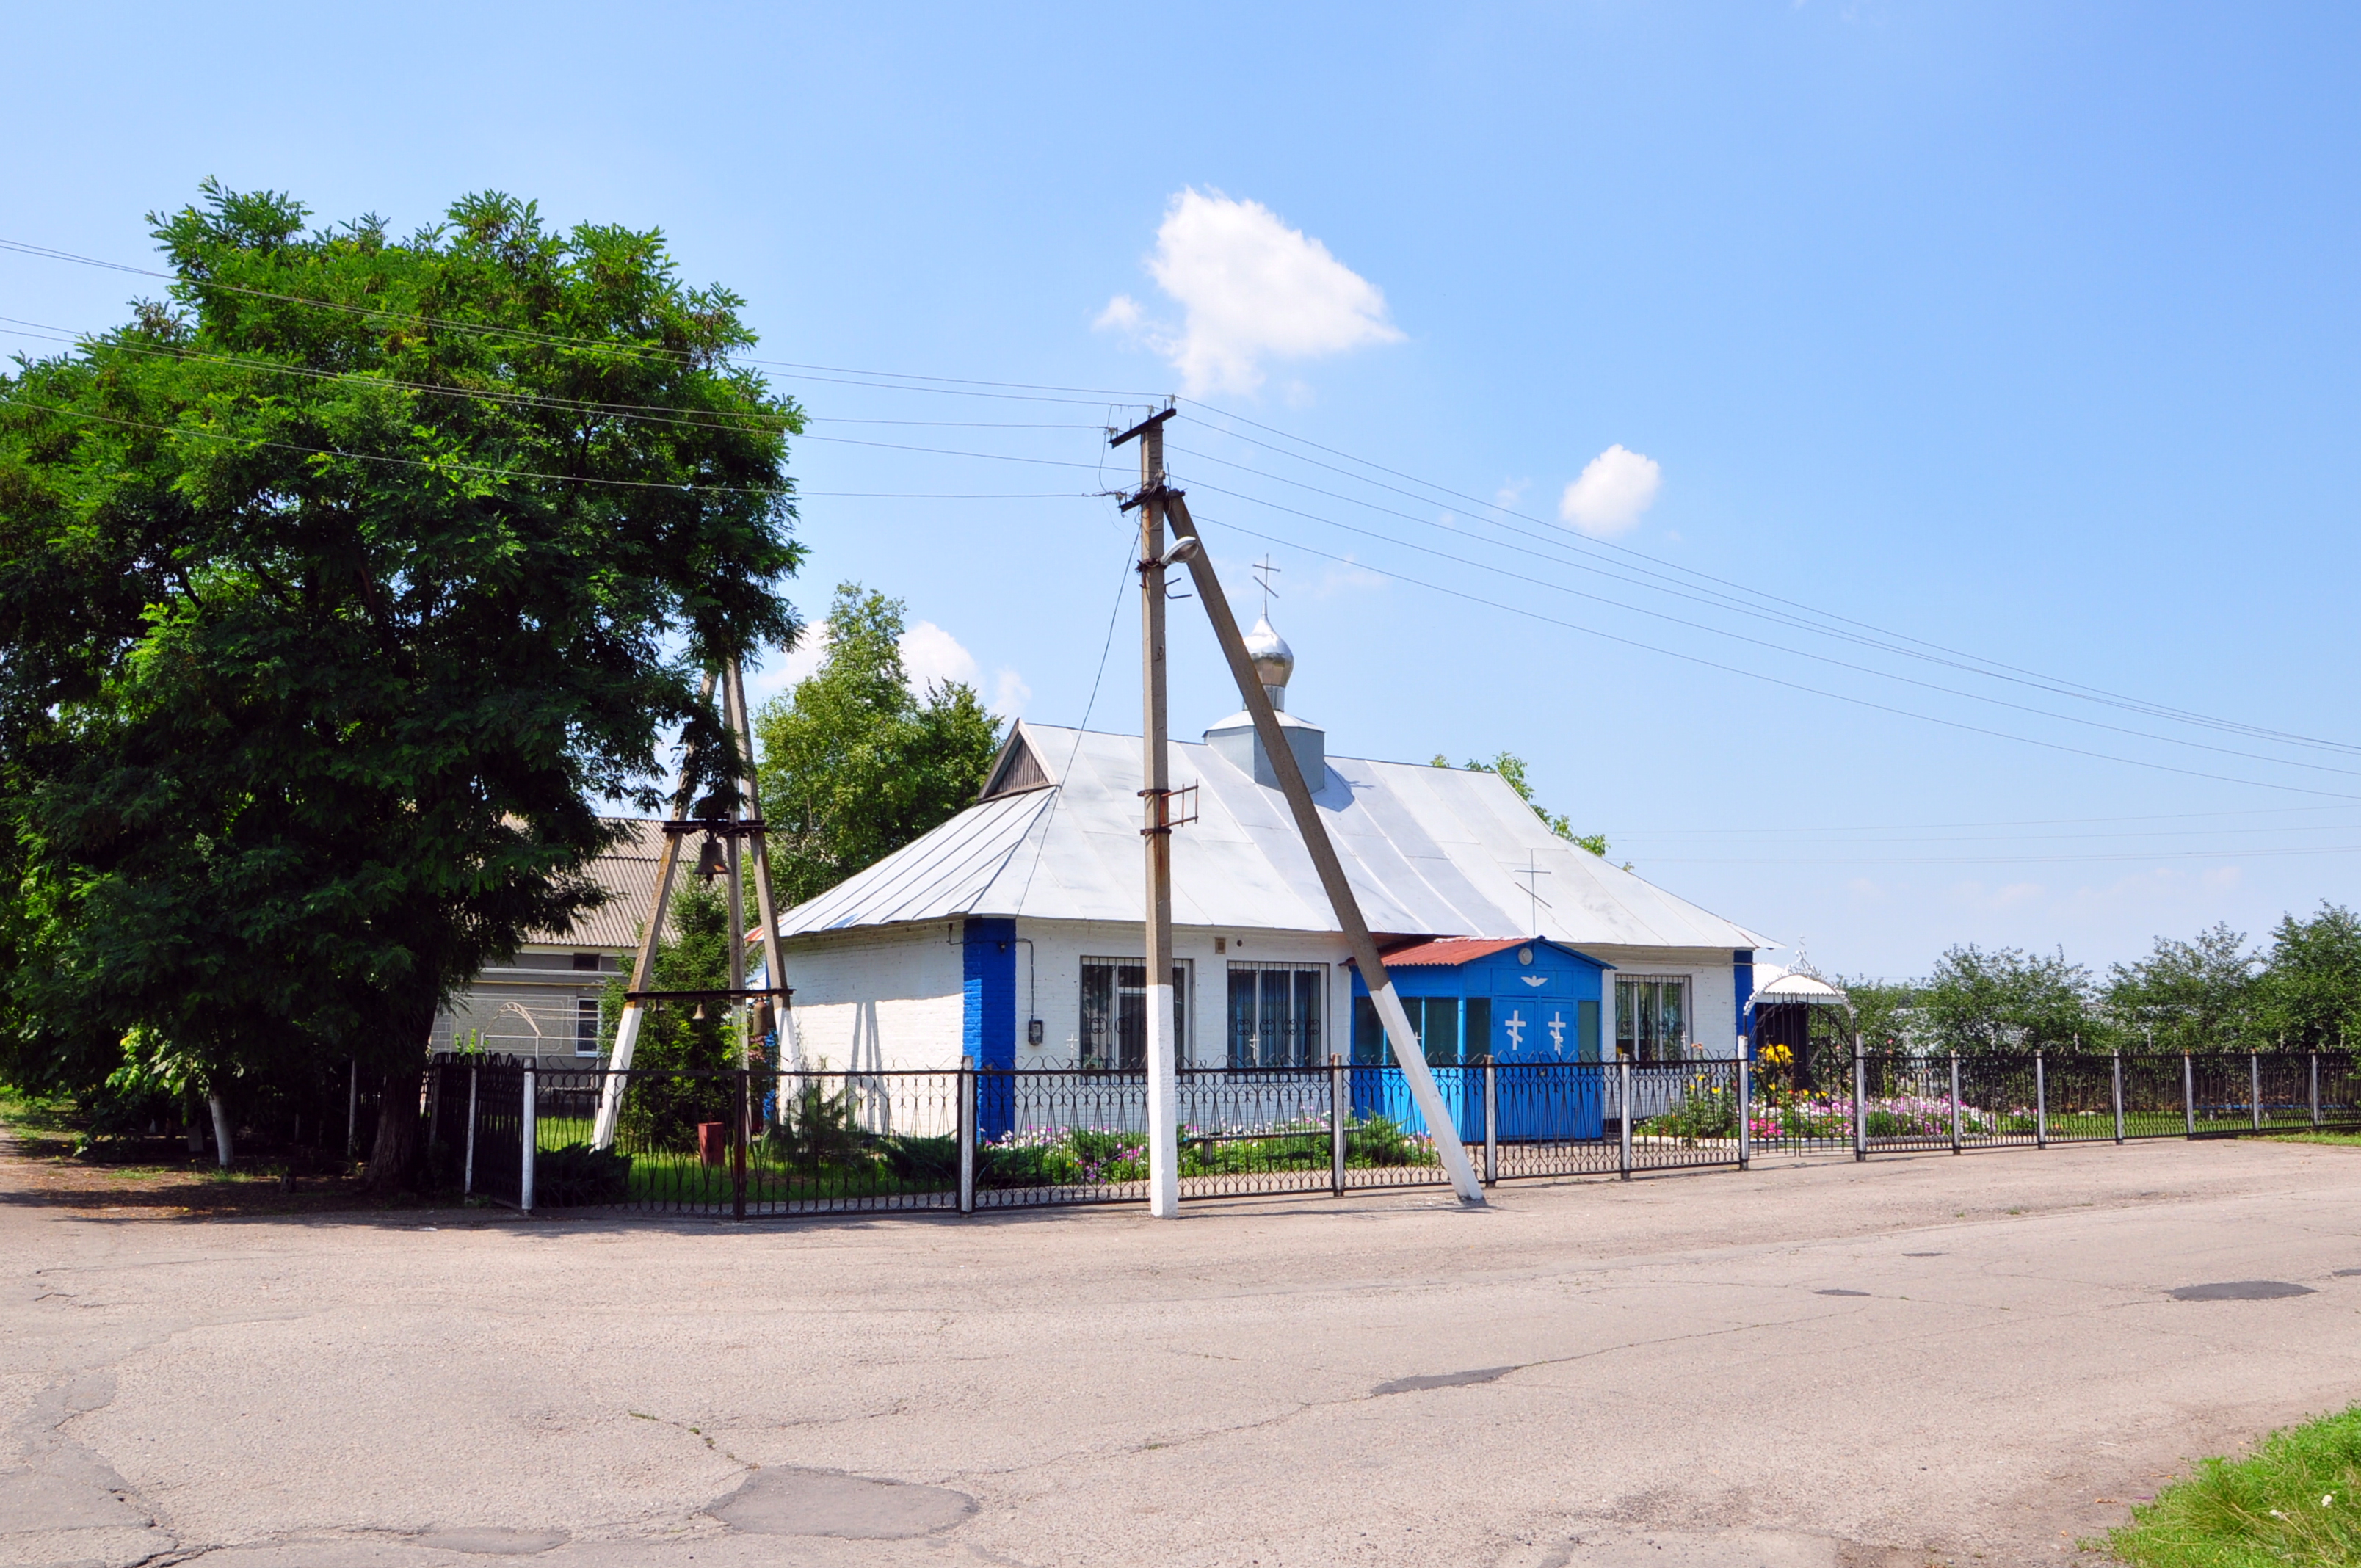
[
  {"x": 586, "y": 1026},
  {"x": 1275, "y": 1015},
  {"x": 1652, "y": 1017},
  {"x": 1114, "y": 1014}
]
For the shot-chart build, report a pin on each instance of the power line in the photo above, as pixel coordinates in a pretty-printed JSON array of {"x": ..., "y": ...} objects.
[
  {"x": 1780, "y": 647},
  {"x": 1779, "y": 681}
]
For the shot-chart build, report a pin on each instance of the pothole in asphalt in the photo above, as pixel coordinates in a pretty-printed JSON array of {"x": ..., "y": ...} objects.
[
  {"x": 2240, "y": 1290},
  {"x": 1442, "y": 1380},
  {"x": 1839, "y": 1292},
  {"x": 784, "y": 1501},
  {"x": 495, "y": 1542}
]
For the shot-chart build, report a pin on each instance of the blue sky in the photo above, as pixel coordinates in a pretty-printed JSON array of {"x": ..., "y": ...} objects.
[{"x": 2026, "y": 332}]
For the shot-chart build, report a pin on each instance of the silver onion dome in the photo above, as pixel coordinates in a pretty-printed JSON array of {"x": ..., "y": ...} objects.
[{"x": 1274, "y": 661}]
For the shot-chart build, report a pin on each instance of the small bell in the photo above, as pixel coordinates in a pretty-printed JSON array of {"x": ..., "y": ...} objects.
[
  {"x": 700, "y": 1012},
  {"x": 710, "y": 861}
]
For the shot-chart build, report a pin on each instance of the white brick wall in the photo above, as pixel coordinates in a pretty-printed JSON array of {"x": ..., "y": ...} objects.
[
  {"x": 1713, "y": 1017},
  {"x": 880, "y": 1000}
]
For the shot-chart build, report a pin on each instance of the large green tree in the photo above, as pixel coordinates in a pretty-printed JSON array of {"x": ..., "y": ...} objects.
[
  {"x": 2309, "y": 996},
  {"x": 854, "y": 764},
  {"x": 2006, "y": 1000},
  {"x": 2196, "y": 996},
  {"x": 334, "y": 589}
]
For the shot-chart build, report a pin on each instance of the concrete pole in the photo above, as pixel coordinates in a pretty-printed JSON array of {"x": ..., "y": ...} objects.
[
  {"x": 2119, "y": 1096},
  {"x": 1745, "y": 1108},
  {"x": 1339, "y": 1109},
  {"x": 1155, "y": 827},
  {"x": 2188, "y": 1095},
  {"x": 2040, "y": 1103},
  {"x": 1400, "y": 1036},
  {"x": 1491, "y": 1122},
  {"x": 1955, "y": 1102},
  {"x": 967, "y": 1134},
  {"x": 1860, "y": 1100},
  {"x": 2254, "y": 1088}
]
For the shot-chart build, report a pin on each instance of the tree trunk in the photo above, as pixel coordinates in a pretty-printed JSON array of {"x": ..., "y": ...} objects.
[
  {"x": 393, "y": 1157},
  {"x": 222, "y": 1152}
]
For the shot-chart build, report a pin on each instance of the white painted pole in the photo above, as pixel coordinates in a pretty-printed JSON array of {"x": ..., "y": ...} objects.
[
  {"x": 530, "y": 1127},
  {"x": 222, "y": 1150},
  {"x": 2040, "y": 1103}
]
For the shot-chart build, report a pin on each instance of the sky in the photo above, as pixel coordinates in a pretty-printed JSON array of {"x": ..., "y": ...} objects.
[{"x": 1890, "y": 468}]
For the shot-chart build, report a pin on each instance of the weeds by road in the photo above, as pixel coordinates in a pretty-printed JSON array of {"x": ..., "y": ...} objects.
[{"x": 2296, "y": 1500}]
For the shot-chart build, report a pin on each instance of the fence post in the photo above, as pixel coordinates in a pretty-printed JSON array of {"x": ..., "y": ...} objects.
[
  {"x": 1491, "y": 1122},
  {"x": 967, "y": 1134},
  {"x": 1624, "y": 1123},
  {"x": 2187, "y": 1096},
  {"x": 353, "y": 1112},
  {"x": 2315, "y": 1089},
  {"x": 2254, "y": 1088},
  {"x": 1745, "y": 1107},
  {"x": 2040, "y": 1103},
  {"x": 1955, "y": 1101},
  {"x": 738, "y": 1145},
  {"x": 1859, "y": 1101},
  {"x": 2119, "y": 1096},
  {"x": 1338, "y": 1113},
  {"x": 467, "y": 1171},
  {"x": 532, "y": 1136}
]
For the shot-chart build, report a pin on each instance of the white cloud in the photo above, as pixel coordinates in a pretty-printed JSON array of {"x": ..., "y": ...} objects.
[
  {"x": 930, "y": 654},
  {"x": 1010, "y": 693},
  {"x": 1615, "y": 488},
  {"x": 1511, "y": 494},
  {"x": 1251, "y": 289}
]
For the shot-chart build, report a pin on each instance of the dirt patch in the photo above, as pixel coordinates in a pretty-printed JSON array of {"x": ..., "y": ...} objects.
[{"x": 38, "y": 1168}]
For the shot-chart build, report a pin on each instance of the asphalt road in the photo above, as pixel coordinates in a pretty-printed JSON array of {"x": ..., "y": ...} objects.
[{"x": 1922, "y": 1360}]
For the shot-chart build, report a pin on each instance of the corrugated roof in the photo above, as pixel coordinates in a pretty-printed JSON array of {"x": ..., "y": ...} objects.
[
  {"x": 1429, "y": 851},
  {"x": 1448, "y": 952},
  {"x": 628, "y": 872}
]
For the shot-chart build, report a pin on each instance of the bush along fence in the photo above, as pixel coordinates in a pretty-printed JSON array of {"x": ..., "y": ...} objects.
[{"x": 758, "y": 1143}]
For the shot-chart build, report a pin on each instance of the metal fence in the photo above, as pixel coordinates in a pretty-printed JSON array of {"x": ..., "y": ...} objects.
[{"x": 760, "y": 1142}]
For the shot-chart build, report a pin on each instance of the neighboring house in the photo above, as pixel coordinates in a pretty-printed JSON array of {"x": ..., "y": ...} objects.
[
  {"x": 1013, "y": 933},
  {"x": 544, "y": 1002}
]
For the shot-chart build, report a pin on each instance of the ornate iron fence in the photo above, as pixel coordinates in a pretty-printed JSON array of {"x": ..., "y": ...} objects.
[{"x": 756, "y": 1143}]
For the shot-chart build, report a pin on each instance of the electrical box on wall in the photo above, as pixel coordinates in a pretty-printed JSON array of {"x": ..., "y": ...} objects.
[{"x": 1033, "y": 1031}]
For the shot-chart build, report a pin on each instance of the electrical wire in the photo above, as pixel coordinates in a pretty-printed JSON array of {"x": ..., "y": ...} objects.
[{"x": 1778, "y": 681}]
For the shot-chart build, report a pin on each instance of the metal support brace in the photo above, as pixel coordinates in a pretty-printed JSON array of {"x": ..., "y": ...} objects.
[
  {"x": 1624, "y": 1104},
  {"x": 1339, "y": 1118},
  {"x": 1491, "y": 1122},
  {"x": 967, "y": 1134},
  {"x": 2119, "y": 1096},
  {"x": 532, "y": 1138},
  {"x": 1955, "y": 1102}
]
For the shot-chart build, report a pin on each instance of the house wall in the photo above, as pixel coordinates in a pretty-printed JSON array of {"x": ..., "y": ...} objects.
[
  {"x": 527, "y": 1008},
  {"x": 883, "y": 999},
  {"x": 1049, "y": 982},
  {"x": 1713, "y": 981}
]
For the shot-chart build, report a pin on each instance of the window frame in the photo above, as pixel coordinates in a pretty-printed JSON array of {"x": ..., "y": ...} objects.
[
  {"x": 1312, "y": 1053},
  {"x": 1184, "y": 1003},
  {"x": 1685, "y": 1048}
]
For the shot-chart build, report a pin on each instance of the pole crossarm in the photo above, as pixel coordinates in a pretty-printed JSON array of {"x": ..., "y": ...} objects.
[
  {"x": 718, "y": 827},
  {"x": 1407, "y": 1052}
]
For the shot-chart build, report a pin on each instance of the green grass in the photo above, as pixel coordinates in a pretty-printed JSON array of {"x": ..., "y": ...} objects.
[
  {"x": 2297, "y": 1500},
  {"x": 2349, "y": 1139}
]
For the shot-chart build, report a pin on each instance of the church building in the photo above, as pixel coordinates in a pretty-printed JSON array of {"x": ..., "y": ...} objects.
[{"x": 1013, "y": 933}]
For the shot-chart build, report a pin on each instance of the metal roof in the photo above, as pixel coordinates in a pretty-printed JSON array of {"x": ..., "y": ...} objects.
[
  {"x": 1429, "y": 851},
  {"x": 628, "y": 872},
  {"x": 1774, "y": 985}
]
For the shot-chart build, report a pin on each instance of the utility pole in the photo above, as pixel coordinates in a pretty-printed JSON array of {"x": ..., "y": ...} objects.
[{"x": 1155, "y": 827}]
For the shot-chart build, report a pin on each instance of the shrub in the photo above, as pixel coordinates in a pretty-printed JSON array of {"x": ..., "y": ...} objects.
[{"x": 578, "y": 1175}]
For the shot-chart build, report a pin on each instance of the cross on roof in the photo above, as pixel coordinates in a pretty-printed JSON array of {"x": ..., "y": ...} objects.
[
  {"x": 1263, "y": 570},
  {"x": 1532, "y": 872}
]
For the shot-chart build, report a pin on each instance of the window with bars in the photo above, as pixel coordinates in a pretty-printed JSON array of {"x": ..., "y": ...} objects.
[
  {"x": 1652, "y": 1017},
  {"x": 586, "y": 1026},
  {"x": 1275, "y": 1013},
  {"x": 1114, "y": 1014}
]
